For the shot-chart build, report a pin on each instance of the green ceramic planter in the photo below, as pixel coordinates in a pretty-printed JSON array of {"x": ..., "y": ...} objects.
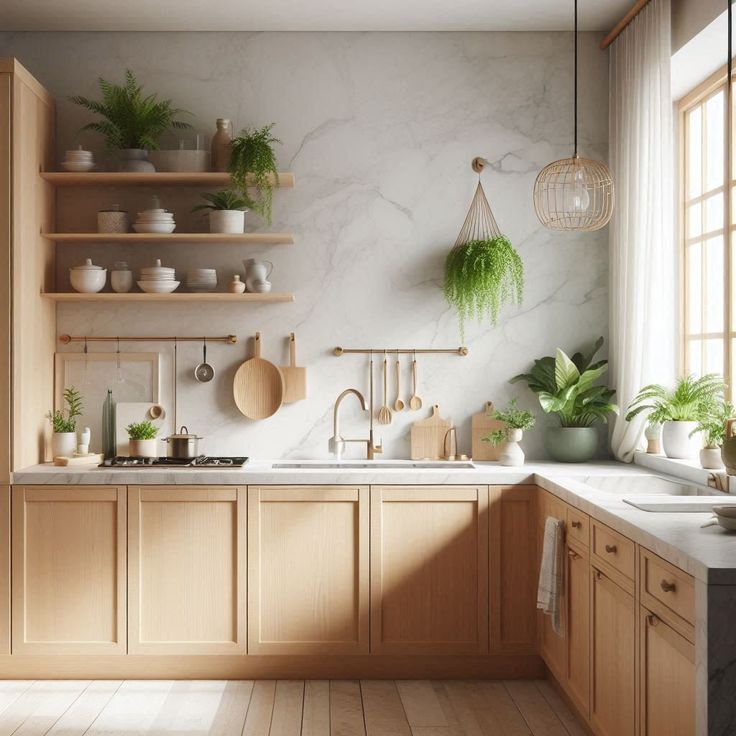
[{"x": 571, "y": 444}]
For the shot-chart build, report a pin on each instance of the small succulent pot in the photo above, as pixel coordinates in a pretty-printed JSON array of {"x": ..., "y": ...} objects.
[
  {"x": 511, "y": 452},
  {"x": 135, "y": 160},
  {"x": 143, "y": 448},
  {"x": 571, "y": 444},
  {"x": 227, "y": 221},
  {"x": 677, "y": 441},
  {"x": 710, "y": 458},
  {"x": 63, "y": 444}
]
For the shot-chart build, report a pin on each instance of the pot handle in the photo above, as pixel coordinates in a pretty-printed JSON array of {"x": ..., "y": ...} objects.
[{"x": 729, "y": 428}]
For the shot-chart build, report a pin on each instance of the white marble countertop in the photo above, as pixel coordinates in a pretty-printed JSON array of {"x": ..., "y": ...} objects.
[{"x": 708, "y": 554}]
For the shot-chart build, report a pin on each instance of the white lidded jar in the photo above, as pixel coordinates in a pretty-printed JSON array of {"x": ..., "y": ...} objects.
[{"x": 121, "y": 278}]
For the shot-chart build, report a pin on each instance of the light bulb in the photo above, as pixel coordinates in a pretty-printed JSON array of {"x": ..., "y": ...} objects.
[{"x": 576, "y": 199}]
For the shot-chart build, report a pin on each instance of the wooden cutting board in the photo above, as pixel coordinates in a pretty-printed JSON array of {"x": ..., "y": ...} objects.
[
  {"x": 482, "y": 425},
  {"x": 428, "y": 436},
  {"x": 258, "y": 386},
  {"x": 295, "y": 377}
]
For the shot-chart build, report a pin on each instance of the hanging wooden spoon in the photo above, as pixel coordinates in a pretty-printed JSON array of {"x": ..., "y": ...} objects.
[
  {"x": 415, "y": 403},
  {"x": 384, "y": 413},
  {"x": 399, "y": 403}
]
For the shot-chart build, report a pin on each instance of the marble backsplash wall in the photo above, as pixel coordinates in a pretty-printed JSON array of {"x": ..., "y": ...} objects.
[{"x": 380, "y": 129}]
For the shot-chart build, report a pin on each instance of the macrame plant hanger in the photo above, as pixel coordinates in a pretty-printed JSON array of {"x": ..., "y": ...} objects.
[{"x": 480, "y": 224}]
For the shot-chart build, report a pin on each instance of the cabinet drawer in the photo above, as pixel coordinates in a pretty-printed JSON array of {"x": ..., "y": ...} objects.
[
  {"x": 614, "y": 549},
  {"x": 578, "y": 526},
  {"x": 668, "y": 586}
]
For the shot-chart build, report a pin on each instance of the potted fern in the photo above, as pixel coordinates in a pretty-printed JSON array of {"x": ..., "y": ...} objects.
[
  {"x": 713, "y": 430},
  {"x": 567, "y": 388},
  {"x": 132, "y": 122},
  {"x": 517, "y": 422},
  {"x": 142, "y": 439},
  {"x": 64, "y": 423},
  {"x": 226, "y": 211},
  {"x": 253, "y": 164},
  {"x": 680, "y": 410}
]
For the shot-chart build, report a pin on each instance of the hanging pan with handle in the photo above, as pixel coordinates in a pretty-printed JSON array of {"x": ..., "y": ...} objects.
[{"x": 258, "y": 387}]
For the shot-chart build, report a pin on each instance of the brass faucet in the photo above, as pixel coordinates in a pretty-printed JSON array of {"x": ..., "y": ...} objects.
[{"x": 338, "y": 442}]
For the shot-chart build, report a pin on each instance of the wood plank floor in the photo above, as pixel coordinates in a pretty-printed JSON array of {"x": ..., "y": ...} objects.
[{"x": 284, "y": 708}]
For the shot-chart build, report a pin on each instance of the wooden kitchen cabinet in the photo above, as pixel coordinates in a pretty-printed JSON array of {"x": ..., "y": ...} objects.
[
  {"x": 308, "y": 570},
  {"x": 513, "y": 569},
  {"x": 69, "y": 559},
  {"x": 577, "y": 584},
  {"x": 186, "y": 574},
  {"x": 429, "y": 569},
  {"x": 667, "y": 679},
  {"x": 4, "y": 569},
  {"x": 613, "y": 658}
]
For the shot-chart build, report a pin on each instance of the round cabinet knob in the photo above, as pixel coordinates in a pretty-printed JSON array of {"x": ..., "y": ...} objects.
[
  {"x": 611, "y": 549},
  {"x": 652, "y": 620},
  {"x": 667, "y": 586},
  {"x": 572, "y": 554}
]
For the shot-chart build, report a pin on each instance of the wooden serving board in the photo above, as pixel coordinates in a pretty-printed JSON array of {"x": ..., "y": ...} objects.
[
  {"x": 295, "y": 377},
  {"x": 428, "y": 436},
  {"x": 482, "y": 425}
]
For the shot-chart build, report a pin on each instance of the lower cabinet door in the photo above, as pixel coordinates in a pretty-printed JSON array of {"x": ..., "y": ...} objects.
[
  {"x": 613, "y": 659},
  {"x": 4, "y": 569},
  {"x": 667, "y": 679},
  {"x": 186, "y": 574},
  {"x": 429, "y": 569},
  {"x": 577, "y": 582},
  {"x": 308, "y": 566},
  {"x": 69, "y": 558}
]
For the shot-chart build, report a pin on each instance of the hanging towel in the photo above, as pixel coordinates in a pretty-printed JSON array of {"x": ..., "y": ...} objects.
[{"x": 551, "y": 573}]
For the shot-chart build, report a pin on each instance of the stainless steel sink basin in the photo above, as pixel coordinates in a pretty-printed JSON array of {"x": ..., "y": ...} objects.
[
  {"x": 635, "y": 484},
  {"x": 398, "y": 465}
]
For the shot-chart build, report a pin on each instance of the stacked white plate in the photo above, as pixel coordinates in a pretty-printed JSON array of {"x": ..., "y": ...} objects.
[
  {"x": 158, "y": 279},
  {"x": 201, "y": 279},
  {"x": 79, "y": 160},
  {"x": 155, "y": 220}
]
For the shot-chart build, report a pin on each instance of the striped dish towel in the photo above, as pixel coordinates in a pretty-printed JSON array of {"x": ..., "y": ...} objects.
[{"x": 551, "y": 572}]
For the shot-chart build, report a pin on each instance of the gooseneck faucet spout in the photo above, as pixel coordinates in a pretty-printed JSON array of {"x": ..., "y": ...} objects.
[{"x": 337, "y": 441}]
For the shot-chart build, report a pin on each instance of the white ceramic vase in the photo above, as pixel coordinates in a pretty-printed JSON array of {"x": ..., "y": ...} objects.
[
  {"x": 227, "y": 221},
  {"x": 143, "y": 448},
  {"x": 710, "y": 458},
  {"x": 63, "y": 444},
  {"x": 512, "y": 454},
  {"x": 677, "y": 442}
]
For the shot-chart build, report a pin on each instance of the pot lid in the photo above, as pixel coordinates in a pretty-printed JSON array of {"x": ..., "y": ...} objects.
[
  {"x": 183, "y": 434},
  {"x": 87, "y": 266}
]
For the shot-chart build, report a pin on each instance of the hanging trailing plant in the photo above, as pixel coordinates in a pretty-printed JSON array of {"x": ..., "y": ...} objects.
[{"x": 483, "y": 272}]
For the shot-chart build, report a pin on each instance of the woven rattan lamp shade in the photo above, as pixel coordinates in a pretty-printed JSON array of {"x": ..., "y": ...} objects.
[{"x": 574, "y": 194}]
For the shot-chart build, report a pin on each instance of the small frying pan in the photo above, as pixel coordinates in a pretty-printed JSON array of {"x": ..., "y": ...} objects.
[
  {"x": 258, "y": 387},
  {"x": 204, "y": 372}
]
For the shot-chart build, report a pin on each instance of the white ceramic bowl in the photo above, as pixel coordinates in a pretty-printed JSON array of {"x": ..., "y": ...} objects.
[
  {"x": 154, "y": 228},
  {"x": 78, "y": 165},
  {"x": 87, "y": 280},
  {"x": 158, "y": 287}
]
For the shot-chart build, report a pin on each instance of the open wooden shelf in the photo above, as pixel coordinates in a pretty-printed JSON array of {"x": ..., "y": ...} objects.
[
  {"x": 140, "y": 296},
  {"x": 234, "y": 238},
  {"x": 156, "y": 178}
]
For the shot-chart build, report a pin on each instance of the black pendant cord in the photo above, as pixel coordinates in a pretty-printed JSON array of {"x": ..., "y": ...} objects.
[{"x": 575, "y": 93}]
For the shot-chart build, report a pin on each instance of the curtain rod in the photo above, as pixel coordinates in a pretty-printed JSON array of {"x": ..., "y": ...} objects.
[{"x": 639, "y": 5}]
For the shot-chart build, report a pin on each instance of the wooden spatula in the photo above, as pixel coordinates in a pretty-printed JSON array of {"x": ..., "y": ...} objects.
[{"x": 295, "y": 378}]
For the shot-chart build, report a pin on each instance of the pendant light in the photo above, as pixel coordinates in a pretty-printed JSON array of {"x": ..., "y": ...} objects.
[{"x": 574, "y": 193}]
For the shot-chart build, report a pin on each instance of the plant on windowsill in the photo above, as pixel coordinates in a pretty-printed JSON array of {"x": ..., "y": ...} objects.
[
  {"x": 132, "y": 123},
  {"x": 142, "y": 439},
  {"x": 252, "y": 162},
  {"x": 680, "y": 410},
  {"x": 713, "y": 431},
  {"x": 567, "y": 388},
  {"x": 64, "y": 423},
  {"x": 226, "y": 211},
  {"x": 517, "y": 421}
]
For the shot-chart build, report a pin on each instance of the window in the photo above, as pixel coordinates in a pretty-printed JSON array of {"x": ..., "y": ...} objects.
[{"x": 707, "y": 224}]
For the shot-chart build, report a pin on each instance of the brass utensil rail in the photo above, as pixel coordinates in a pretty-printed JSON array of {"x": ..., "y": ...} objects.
[
  {"x": 228, "y": 339},
  {"x": 461, "y": 351}
]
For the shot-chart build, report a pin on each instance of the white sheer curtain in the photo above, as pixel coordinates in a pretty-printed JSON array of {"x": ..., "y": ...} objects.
[{"x": 643, "y": 252}]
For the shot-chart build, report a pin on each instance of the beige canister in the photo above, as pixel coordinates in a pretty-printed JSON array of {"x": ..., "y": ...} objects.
[{"x": 113, "y": 220}]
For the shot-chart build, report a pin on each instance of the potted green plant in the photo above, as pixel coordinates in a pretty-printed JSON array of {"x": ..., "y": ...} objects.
[
  {"x": 64, "y": 423},
  {"x": 142, "y": 439},
  {"x": 517, "y": 422},
  {"x": 567, "y": 388},
  {"x": 481, "y": 276},
  {"x": 226, "y": 211},
  {"x": 679, "y": 411},
  {"x": 253, "y": 164},
  {"x": 712, "y": 429},
  {"x": 132, "y": 122}
]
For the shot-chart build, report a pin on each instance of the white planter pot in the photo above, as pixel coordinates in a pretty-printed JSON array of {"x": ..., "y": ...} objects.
[
  {"x": 710, "y": 458},
  {"x": 63, "y": 444},
  {"x": 227, "y": 221},
  {"x": 143, "y": 448},
  {"x": 512, "y": 454},
  {"x": 677, "y": 442}
]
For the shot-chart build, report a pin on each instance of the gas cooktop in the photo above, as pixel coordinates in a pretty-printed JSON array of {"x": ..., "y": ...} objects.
[{"x": 203, "y": 461}]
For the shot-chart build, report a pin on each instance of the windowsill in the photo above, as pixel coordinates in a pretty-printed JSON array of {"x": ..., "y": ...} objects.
[{"x": 685, "y": 469}]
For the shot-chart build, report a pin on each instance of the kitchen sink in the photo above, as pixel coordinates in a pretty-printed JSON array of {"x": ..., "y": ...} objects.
[
  {"x": 639, "y": 484},
  {"x": 386, "y": 465}
]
